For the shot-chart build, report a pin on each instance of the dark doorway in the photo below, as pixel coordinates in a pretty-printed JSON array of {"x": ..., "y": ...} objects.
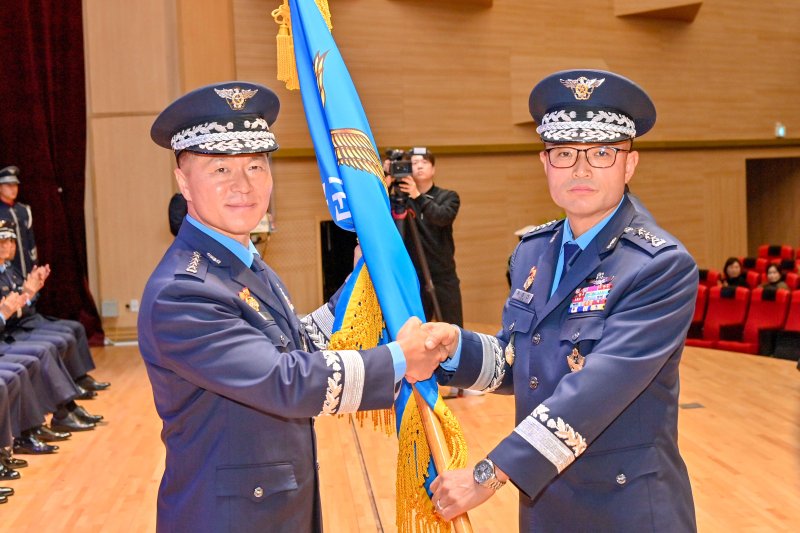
[
  {"x": 773, "y": 194},
  {"x": 337, "y": 256}
]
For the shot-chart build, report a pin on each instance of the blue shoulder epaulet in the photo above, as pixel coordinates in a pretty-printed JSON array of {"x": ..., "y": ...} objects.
[
  {"x": 195, "y": 267},
  {"x": 646, "y": 240},
  {"x": 540, "y": 229}
]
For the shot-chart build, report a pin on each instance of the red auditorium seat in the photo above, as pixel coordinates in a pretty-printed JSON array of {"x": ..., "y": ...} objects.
[
  {"x": 776, "y": 251},
  {"x": 727, "y": 306},
  {"x": 709, "y": 277},
  {"x": 759, "y": 264},
  {"x": 787, "y": 342},
  {"x": 696, "y": 328},
  {"x": 768, "y": 308},
  {"x": 753, "y": 279},
  {"x": 791, "y": 280},
  {"x": 787, "y": 265}
]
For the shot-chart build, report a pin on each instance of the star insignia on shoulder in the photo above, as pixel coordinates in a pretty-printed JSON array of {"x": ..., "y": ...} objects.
[
  {"x": 540, "y": 227},
  {"x": 642, "y": 233},
  {"x": 194, "y": 262}
]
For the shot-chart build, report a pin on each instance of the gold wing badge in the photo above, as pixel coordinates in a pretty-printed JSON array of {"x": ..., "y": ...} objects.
[
  {"x": 319, "y": 69},
  {"x": 236, "y": 97},
  {"x": 354, "y": 149},
  {"x": 583, "y": 87}
]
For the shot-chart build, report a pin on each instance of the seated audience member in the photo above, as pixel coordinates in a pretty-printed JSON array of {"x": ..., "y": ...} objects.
[
  {"x": 53, "y": 385},
  {"x": 774, "y": 279},
  {"x": 26, "y": 412},
  {"x": 68, "y": 335},
  {"x": 11, "y": 209},
  {"x": 732, "y": 274}
]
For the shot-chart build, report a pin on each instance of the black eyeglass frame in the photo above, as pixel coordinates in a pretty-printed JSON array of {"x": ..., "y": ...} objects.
[{"x": 586, "y": 155}]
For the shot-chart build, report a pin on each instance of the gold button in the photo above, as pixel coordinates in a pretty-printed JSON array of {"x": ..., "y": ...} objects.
[
  {"x": 258, "y": 492},
  {"x": 534, "y": 383},
  {"x": 537, "y": 338}
]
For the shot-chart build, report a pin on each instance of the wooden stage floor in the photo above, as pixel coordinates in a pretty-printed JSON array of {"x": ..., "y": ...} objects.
[{"x": 739, "y": 434}]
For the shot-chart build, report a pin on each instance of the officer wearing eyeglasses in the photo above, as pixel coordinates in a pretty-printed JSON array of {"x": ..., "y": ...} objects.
[{"x": 592, "y": 335}]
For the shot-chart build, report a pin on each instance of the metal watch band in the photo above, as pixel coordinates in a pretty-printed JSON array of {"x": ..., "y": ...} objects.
[{"x": 494, "y": 483}]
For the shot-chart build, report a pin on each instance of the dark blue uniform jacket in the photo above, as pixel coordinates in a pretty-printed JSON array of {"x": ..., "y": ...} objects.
[
  {"x": 236, "y": 384},
  {"x": 595, "y": 446}
]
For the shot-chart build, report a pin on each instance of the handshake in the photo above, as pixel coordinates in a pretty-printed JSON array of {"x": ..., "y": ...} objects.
[{"x": 425, "y": 346}]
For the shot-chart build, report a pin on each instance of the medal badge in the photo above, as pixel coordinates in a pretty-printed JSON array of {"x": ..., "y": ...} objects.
[
  {"x": 510, "y": 352},
  {"x": 593, "y": 297},
  {"x": 575, "y": 360},
  {"x": 248, "y": 298},
  {"x": 531, "y": 278}
]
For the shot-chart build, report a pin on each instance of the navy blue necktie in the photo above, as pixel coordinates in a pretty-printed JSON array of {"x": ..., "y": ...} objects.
[
  {"x": 260, "y": 268},
  {"x": 570, "y": 252}
]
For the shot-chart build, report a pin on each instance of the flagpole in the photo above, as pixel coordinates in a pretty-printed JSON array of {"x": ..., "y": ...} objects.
[{"x": 441, "y": 457}]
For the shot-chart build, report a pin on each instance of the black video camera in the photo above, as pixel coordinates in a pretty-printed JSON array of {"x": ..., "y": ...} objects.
[
  {"x": 399, "y": 168},
  {"x": 399, "y": 164}
]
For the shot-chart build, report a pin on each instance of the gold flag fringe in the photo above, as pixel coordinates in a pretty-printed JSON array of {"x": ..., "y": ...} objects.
[
  {"x": 287, "y": 65},
  {"x": 362, "y": 328},
  {"x": 415, "y": 511}
]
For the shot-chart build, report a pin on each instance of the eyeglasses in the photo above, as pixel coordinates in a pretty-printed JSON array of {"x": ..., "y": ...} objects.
[{"x": 596, "y": 156}]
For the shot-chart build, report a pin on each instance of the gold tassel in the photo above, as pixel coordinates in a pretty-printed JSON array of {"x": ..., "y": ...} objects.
[
  {"x": 287, "y": 65},
  {"x": 361, "y": 329}
]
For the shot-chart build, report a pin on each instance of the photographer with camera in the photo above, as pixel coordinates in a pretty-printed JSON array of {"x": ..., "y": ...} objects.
[{"x": 431, "y": 210}]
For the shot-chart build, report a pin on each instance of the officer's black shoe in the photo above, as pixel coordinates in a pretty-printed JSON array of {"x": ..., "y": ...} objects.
[
  {"x": 32, "y": 445},
  {"x": 89, "y": 383},
  {"x": 3, "y": 499},
  {"x": 70, "y": 422},
  {"x": 84, "y": 415},
  {"x": 45, "y": 434},
  {"x": 11, "y": 462},
  {"x": 6, "y": 491},
  {"x": 84, "y": 394},
  {"x": 7, "y": 473}
]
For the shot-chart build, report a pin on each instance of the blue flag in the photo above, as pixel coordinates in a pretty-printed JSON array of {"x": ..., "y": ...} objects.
[{"x": 352, "y": 178}]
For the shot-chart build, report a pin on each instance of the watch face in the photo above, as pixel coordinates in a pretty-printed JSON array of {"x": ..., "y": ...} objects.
[{"x": 484, "y": 471}]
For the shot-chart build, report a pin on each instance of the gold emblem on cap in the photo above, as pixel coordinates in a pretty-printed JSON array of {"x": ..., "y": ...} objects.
[
  {"x": 249, "y": 299},
  {"x": 575, "y": 360},
  {"x": 583, "y": 87},
  {"x": 236, "y": 97}
]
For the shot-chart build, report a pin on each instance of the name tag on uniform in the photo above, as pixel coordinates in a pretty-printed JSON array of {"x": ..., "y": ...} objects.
[{"x": 522, "y": 296}]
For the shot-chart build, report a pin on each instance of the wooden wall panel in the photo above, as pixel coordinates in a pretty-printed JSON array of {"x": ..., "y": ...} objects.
[
  {"x": 131, "y": 73},
  {"x": 205, "y": 41},
  {"x": 773, "y": 194},
  {"x": 133, "y": 232},
  {"x": 129, "y": 55},
  {"x": 454, "y": 77}
]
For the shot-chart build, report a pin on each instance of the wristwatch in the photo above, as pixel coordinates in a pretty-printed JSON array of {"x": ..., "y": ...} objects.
[{"x": 484, "y": 475}]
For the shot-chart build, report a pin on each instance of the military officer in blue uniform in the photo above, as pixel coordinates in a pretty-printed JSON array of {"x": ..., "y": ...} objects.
[
  {"x": 592, "y": 335},
  {"x": 237, "y": 378},
  {"x": 10, "y": 209}
]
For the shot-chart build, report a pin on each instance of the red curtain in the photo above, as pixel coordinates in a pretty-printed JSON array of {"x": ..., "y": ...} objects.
[{"x": 43, "y": 132}]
